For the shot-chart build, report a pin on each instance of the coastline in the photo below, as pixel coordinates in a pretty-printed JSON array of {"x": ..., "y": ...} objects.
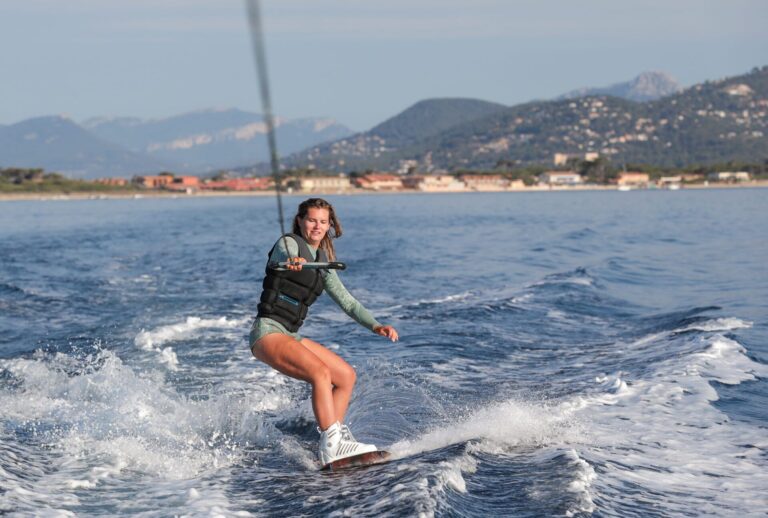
[{"x": 32, "y": 196}]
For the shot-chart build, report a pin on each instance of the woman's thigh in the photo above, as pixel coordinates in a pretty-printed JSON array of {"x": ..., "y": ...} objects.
[
  {"x": 287, "y": 355},
  {"x": 340, "y": 369}
]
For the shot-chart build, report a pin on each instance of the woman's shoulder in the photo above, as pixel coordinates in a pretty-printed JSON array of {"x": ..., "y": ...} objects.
[
  {"x": 285, "y": 246},
  {"x": 289, "y": 240},
  {"x": 289, "y": 236}
]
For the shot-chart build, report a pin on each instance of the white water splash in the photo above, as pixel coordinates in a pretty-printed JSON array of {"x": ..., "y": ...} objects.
[
  {"x": 154, "y": 339},
  {"x": 661, "y": 431},
  {"x": 498, "y": 427},
  {"x": 584, "y": 476},
  {"x": 718, "y": 325},
  {"x": 102, "y": 424}
]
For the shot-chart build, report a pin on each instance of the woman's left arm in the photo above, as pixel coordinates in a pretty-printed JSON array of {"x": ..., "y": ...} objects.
[{"x": 352, "y": 307}]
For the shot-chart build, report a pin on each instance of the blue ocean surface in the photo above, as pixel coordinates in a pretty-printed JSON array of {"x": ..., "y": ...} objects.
[{"x": 561, "y": 354}]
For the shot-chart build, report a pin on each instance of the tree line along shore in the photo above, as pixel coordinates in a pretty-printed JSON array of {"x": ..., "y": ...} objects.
[{"x": 597, "y": 173}]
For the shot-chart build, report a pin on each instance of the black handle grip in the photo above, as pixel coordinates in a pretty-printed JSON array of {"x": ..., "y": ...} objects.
[{"x": 333, "y": 265}]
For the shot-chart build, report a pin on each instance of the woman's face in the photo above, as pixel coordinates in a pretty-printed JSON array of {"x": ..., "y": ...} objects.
[{"x": 315, "y": 225}]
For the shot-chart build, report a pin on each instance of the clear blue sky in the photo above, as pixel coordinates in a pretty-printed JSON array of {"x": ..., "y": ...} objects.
[{"x": 358, "y": 61}]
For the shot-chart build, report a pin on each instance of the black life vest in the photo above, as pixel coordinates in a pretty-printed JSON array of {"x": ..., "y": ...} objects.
[{"x": 287, "y": 295}]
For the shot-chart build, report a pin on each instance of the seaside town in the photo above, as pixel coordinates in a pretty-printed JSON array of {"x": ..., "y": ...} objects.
[
  {"x": 389, "y": 182},
  {"x": 587, "y": 143},
  {"x": 25, "y": 182}
]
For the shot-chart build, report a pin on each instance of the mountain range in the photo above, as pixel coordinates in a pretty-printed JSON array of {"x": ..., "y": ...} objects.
[
  {"x": 197, "y": 142},
  {"x": 649, "y": 119},
  {"x": 648, "y": 86},
  {"x": 59, "y": 144},
  {"x": 716, "y": 121},
  {"x": 211, "y": 140}
]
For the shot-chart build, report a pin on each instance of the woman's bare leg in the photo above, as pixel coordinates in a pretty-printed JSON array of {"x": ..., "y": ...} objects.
[
  {"x": 343, "y": 376},
  {"x": 294, "y": 359}
]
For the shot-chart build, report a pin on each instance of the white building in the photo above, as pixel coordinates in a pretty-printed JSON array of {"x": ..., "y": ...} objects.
[
  {"x": 433, "y": 183},
  {"x": 484, "y": 182},
  {"x": 324, "y": 183},
  {"x": 729, "y": 176},
  {"x": 560, "y": 178}
]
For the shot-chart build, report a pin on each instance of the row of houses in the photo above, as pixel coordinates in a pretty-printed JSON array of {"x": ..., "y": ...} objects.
[
  {"x": 425, "y": 183},
  {"x": 337, "y": 183},
  {"x": 496, "y": 182},
  {"x": 170, "y": 182},
  {"x": 640, "y": 180},
  {"x": 391, "y": 182}
]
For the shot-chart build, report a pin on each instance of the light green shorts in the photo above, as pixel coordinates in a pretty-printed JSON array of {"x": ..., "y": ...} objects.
[{"x": 264, "y": 326}]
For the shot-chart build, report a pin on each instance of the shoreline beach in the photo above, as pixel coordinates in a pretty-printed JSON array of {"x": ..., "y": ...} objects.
[{"x": 30, "y": 196}]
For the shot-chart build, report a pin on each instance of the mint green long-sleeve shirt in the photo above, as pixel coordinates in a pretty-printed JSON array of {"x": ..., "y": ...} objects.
[{"x": 331, "y": 282}]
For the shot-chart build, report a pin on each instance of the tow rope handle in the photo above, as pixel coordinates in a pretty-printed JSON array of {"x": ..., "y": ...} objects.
[{"x": 332, "y": 265}]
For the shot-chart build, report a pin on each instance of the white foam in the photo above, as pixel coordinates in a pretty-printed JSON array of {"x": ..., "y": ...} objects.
[
  {"x": 717, "y": 324},
  {"x": 498, "y": 427},
  {"x": 614, "y": 387},
  {"x": 101, "y": 422},
  {"x": 521, "y": 298},
  {"x": 440, "y": 300},
  {"x": 578, "y": 280},
  {"x": 153, "y": 340},
  {"x": 662, "y": 433},
  {"x": 450, "y": 474},
  {"x": 713, "y": 325},
  {"x": 555, "y": 314},
  {"x": 150, "y": 340},
  {"x": 583, "y": 478},
  {"x": 449, "y": 298}
]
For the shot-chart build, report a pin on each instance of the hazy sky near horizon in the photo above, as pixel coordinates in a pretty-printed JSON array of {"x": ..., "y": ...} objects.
[{"x": 358, "y": 61}]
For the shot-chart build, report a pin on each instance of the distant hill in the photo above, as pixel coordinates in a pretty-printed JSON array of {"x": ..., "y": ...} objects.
[
  {"x": 648, "y": 86},
  {"x": 715, "y": 121},
  {"x": 430, "y": 117},
  {"x": 58, "y": 144},
  {"x": 210, "y": 140},
  {"x": 418, "y": 122}
]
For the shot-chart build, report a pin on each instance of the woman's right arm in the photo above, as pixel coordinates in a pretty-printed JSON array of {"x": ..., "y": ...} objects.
[{"x": 281, "y": 254}]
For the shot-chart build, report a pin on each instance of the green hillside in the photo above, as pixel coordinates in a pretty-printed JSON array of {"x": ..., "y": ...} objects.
[
  {"x": 717, "y": 121},
  {"x": 427, "y": 118}
]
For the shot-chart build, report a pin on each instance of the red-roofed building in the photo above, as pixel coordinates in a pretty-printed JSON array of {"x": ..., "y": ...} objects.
[
  {"x": 379, "y": 182},
  {"x": 239, "y": 184},
  {"x": 186, "y": 181},
  {"x": 187, "y": 184},
  {"x": 153, "y": 182}
]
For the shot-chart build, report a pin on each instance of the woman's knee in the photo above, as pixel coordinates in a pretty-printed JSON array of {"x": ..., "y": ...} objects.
[
  {"x": 348, "y": 376},
  {"x": 320, "y": 375}
]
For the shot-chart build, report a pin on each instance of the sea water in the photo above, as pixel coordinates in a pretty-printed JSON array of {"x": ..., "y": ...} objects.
[{"x": 561, "y": 354}]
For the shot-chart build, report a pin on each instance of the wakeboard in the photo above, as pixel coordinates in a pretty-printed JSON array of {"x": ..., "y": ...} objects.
[{"x": 358, "y": 461}]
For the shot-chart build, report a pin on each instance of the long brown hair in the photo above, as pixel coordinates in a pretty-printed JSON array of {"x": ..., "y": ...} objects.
[{"x": 333, "y": 232}]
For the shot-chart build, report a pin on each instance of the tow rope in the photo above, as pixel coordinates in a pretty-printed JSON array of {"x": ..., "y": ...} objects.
[{"x": 259, "y": 53}]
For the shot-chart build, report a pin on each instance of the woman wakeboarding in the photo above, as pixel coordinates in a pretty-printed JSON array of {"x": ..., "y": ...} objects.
[{"x": 298, "y": 271}]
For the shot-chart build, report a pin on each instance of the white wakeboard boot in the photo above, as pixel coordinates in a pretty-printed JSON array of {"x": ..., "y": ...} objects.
[
  {"x": 335, "y": 445},
  {"x": 347, "y": 433}
]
